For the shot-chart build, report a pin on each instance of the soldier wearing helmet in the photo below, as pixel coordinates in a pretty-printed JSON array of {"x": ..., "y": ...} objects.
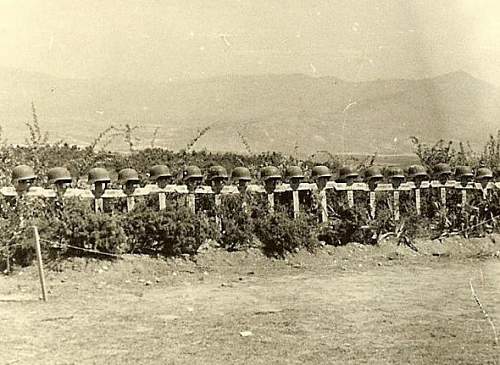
[
  {"x": 99, "y": 181},
  {"x": 483, "y": 176},
  {"x": 483, "y": 201},
  {"x": 60, "y": 179},
  {"x": 217, "y": 178},
  {"x": 23, "y": 177},
  {"x": 284, "y": 200},
  {"x": 459, "y": 199},
  {"x": 423, "y": 197},
  {"x": 442, "y": 172},
  {"x": 241, "y": 177},
  {"x": 271, "y": 177},
  {"x": 347, "y": 175},
  {"x": 321, "y": 174},
  {"x": 192, "y": 177},
  {"x": 294, "y": 176},
  {"x": 417, "y": 174},
  {"x": 21, "y": 205},
  {"x": 211, "y": 204},
  {"x": 395, "y": 176},
  {"x": 128, "y": 180},
  {"x": 373, "y": 176},
  {"x": 161, "y": 175},
  {"x": 464, "y": 175}
]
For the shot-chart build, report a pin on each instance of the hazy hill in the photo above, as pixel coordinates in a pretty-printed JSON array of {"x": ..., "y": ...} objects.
[{"x": 273, "y": 112}]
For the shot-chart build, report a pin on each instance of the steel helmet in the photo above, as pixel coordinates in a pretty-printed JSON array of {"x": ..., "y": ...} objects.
[
  {"x": 128, "y": 175},
  {"x": 320, "y": 171},
  {"x": 23, "y": 172},
  {"x": 158, "y": 171},
  {"x": 463, "y": 171},
  {"x": 346, "y": 172},
  {"x": 59, "y": 174},
  {"x": 484, "y": 173},
  {"x": 192, "y": 172},
  {"x": 442, "y": 169},
  {"x": 417, "y": 171},
  {"x": 241, "y": 173},
  {"x": 270, "y": 172},
  {"x": 99, "y": 174},
  {"x": 373, "y": 173},
  {"x": 294, "y": 172},
  {"x": 217, "y": 172},
  {"x": 395, "y": 172}
]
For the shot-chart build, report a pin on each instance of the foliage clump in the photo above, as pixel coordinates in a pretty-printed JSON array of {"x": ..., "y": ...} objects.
[{"x": 280, "y": 234}]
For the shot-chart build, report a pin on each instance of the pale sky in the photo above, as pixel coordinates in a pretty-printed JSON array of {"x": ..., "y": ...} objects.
[{"x": 166, "y": 39}]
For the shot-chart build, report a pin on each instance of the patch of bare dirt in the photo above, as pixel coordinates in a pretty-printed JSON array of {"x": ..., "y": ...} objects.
[{"x": 348, "y": 305}]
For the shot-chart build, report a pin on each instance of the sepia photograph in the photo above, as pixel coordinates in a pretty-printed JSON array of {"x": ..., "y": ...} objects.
[{"x": 249, "y": 182}]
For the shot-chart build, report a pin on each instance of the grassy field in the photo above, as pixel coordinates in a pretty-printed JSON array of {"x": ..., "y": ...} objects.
[{"x": 347, "y": 305}]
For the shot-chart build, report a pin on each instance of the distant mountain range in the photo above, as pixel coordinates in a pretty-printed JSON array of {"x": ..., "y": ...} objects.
[{"x": 269, "y": 112}]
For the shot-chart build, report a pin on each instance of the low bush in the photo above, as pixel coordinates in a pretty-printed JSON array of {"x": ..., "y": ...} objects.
[
  {"x": 281, "y": 234},
  {"x": 75, "y": 223},
  {"x": 236, "y": 223},
  {"x": 168, "y": 232}
]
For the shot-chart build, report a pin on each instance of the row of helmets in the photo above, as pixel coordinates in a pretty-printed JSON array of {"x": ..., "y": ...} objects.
[{"x": 161, "y": 174}]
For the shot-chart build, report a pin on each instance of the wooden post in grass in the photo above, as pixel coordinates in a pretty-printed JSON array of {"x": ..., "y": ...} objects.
[
  {"x": 296, "y": 207},
  {"x": 396, "y": 205},
  {"x": 40, "y": 263},
  {"x": 130, "y": 203},
  {"x": 217, "y": 203},
  {"x": 191, "y": 202},
  {"x": 162, "y": 201},
  {"x": 442, "y": 191},
  {"x": 463, "y": 200},
  {"x": 417, "y": 201},
  {"x": 323, "y": 206},
  {"x": 99, "y": 205},
  {"x": 350, "y": 198},
  {"x": 270, "y": 201},
  {"x": 372, "y": 203},
  {"x": 7, "y": 259}
]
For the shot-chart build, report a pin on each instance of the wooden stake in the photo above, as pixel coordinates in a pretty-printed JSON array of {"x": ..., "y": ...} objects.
[
  {"x": 217, "y": 202},
  {"x": 7, "y": 259},
  {"x": 323, "y": 205},
  {"x": 130, "y": 203},
  {"x": 270, "y": 200},
  {"x": 464, "y": 199},
  {"x": 350, "y": 198},
  {"x": 191, "y": 202},
  {"x": 99, "y": 205},
  {"x": 417, "y": 201},
  {"x": 396, "y": 205},
  {"x": 372, "y": 204},
  {"x": 296, "y": 207},
  {"x": 40, "y": 263},
  {"x": 442, "y": 191},
  {"x": 162, "y": 201}
]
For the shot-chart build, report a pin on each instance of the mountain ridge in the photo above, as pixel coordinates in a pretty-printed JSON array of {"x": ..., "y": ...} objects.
[{"x": 271, "y": 111}]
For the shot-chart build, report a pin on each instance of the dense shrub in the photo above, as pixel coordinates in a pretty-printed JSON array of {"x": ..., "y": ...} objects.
[
  {"x": 76, "y": 224},
  {"x": 281, "y": 234},
  {"x": 168, "y": 232},
  {"x": 236, "y": 223},
  {"x": 17, "y": 218}
]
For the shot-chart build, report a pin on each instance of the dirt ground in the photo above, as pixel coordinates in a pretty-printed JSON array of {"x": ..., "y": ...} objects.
[{"x": 344, "y": 305}]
